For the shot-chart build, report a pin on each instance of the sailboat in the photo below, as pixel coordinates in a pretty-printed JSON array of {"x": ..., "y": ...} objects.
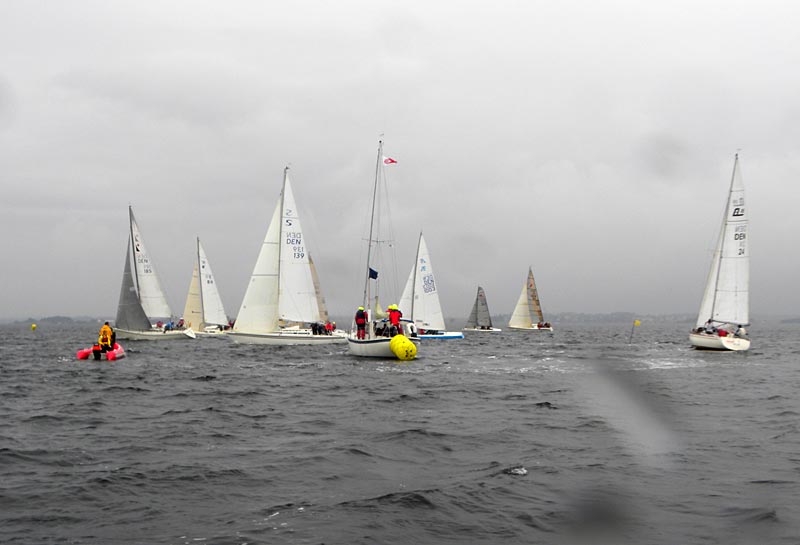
[
  {"x": 480, "y": 319},
  {"x": 420, "y": 298},
  {"x": 203, "y": 310},
  {"x": 376, "y": 341},
  {"x": 529, "y": 309},
  {"x": 725, "y": 308},
  {"x": 281, "y": 299},
  {"x": 141, "y": 298}
]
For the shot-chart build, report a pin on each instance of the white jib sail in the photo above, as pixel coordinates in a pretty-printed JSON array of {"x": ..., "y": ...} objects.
[
  {"x": 298, "y": 297},
  {"x": 151, "y": 295},
  {"x": 259, "y": 310},
  {"x": 406, "y": 303},
  {"x": 213, "y": 311},
  {"x": 522, "y": 312}
]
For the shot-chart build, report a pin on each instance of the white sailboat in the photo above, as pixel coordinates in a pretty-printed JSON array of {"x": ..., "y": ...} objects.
[
  {"x": 480, "y": 319},
  {"x": 376, "y": 343},
  {"x": 420, "y": 299},
  {"x": 529, "y": 309},
  {"x": 203, "y": 310},
  {"x": 281, "y": 299},
  {"x": 141, "y": 298},
  {"x": 725, "y": 308}
]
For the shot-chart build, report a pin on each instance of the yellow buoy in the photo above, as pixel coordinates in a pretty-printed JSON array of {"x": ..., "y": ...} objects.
[
  {"x": 403, "y": 348},
  {"x": 33, "y": 327}
]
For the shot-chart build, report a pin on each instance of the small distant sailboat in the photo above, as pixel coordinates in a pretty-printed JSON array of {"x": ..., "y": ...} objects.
[
  {"x": 529, "y": 309},
  {"x": 282, "y": 298},
  {"x": 141, "y": 298},
  {"x": 203, "y": 310},
  {"x": 376, "y": 342},
  {"x": 420, "y": 298},
  {"x": 480, "y": 319},
  {"x": 725, "y": 308}
]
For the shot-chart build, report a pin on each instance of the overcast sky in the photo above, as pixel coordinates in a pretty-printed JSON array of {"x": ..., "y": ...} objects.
[{"x": 593, "y": 141}]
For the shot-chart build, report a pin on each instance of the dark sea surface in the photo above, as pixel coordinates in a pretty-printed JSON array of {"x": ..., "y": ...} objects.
[{"x": 571, "y": 437}]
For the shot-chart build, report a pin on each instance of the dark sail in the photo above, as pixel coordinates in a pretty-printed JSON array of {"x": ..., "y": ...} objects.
[{"x": 130, "y": 314}]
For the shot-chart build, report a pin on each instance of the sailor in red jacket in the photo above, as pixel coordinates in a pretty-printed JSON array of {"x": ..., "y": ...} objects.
[
  {"x": 361, "y": 322},
  {"x": 394, "y": 319}
]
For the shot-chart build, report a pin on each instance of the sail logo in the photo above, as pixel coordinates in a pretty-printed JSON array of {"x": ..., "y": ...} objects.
[
  {"x": 738, "y": 211},
  {"x": 428, "y": 284}
]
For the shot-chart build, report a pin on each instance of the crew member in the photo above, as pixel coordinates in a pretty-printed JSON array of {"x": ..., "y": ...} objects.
[
  {"x": 104, "y": 339},
  {"x": 361, "y": 323},
  {"x": 394, "y": 319}
]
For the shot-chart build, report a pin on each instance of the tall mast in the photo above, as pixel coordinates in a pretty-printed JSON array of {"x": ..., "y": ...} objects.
[
  {"x": 372, "y": 222},
  {"x": 280, "y": 234},
  {"x": 414, "y": 279},
  {"x": 200, "y": 281},
  {"x": 722, "y": 235}
]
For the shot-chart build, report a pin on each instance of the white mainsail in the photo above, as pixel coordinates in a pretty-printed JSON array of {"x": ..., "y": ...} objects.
[
  {"x": 420, "y": 298},
  {"x": 298, "y": 298},
  {"x": 151, "y": 295},
  {"x": 726, "y": 298},
  {"x": 203, "y": 302},
  {"x": 213, "y": 311},
  {"x": 281, "y": 287}
]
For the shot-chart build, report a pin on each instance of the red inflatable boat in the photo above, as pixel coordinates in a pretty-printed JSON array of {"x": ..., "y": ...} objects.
[{"x": 114, "y": 354}]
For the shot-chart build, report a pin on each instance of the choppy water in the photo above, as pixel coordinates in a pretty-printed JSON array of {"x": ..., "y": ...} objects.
[{"x": 575, "y": 437}]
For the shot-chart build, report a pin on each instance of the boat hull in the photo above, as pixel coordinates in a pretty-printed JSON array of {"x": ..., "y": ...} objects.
[
  {"x": 115, "y": 354},
  {"x": 291, "y": 337},
  {"x": 443, "y": 335},
  {"x": 534, "y": 328},
  {"x": 374, "y": 348},
  {"x": 479, "y": 330},
  {"x": 707, "y": 341},
  {"x": 155, "y": 335},
  {"x": 212, "y": 333}
]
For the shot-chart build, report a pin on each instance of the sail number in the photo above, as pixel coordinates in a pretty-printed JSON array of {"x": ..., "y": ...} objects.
[
  {"x": 145, "y": 268},
  {"x": 295, "y": 240},
  {"x": 740, "y": 236},
  {"x": 428, "y": 285}
]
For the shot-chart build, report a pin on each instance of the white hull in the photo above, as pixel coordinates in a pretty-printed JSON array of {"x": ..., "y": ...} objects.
[
  {"x": 374, "y": 348},
  {"x": 534, "y": 328},
  {"x": 287, "y": 337},
  {"x": 479, "y": 330},
  {"x": 155, "y": 335},
  {"x": 707, "y": 341},
  {"x": 443, "y": 335},
  {"x": 212, "y": 333}
]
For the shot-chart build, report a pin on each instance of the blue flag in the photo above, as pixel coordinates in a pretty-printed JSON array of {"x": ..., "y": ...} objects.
[{"x": 373, "y": 273}]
